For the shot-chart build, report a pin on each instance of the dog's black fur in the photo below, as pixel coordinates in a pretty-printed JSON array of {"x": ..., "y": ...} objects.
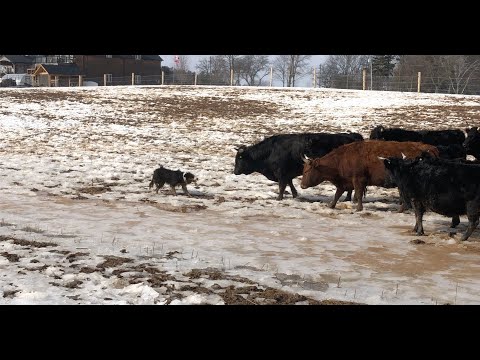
[{"x": 172, "y": 178}]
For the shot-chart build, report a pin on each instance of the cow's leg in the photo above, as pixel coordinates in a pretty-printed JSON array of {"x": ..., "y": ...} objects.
[
  {"x": 185, "y": 191},
  {"x": 349, "y": 196},
  {"x": 159, "y": 185},
  {"x": 354, "y": 199},
  {"x": 455, "y": 221},
  {"x": 472, "y": 215},
  {"x": 419, "y": 211},
  {"x": 338, "y": 193},
  {"x": 472, "y": 225},
  {"x": 404, "y": 203},
  {"x": 359, "y": 188},
  {"x": 281, "y": 189},
  {"x": 292, "y": 188},
  {"x": 174, "y": 192}
]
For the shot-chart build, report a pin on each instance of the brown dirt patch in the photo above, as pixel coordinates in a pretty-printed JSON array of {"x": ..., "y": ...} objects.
[
  {"x": 73, "y": 256},
  {"x": 73, "y": 284},
  {"x": 113, "y": 261},
  {"x": 181, "y": 208},
  {"x": 93, "y": 190},
  {"x": 11, "y": 257},
  {"x": 32, "y": 243},
  {"x": 9, "y": 293}
]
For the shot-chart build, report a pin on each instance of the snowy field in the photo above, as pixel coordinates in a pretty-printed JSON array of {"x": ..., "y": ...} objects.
[{"x": 78, "y": 224}]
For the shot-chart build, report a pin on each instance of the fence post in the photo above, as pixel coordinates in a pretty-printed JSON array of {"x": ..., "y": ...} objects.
[
  {"x": 419, "y": 81},
  {"x": 231, "y": 77},
  {"x": 364, "y": 79},
  {"x": 314, "y": 77},
  {"x": 133, "y": 78},
  {"x": 80, "y": 80},
  {"x": 195, "y": 79},
  {"x": 271, "y": 75},
  {"x": 163, "y": 77},
  {"x": 104, "y": 79}
]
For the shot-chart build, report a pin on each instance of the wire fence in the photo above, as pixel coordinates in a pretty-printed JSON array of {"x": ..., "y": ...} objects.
[{"x": 362, "y": 81}]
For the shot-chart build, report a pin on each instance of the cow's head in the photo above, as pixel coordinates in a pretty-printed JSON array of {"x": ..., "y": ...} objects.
[
  {"x": 308, "y": 172},
  {"x": 243, "y": 162},
  {"x": 404, "y": 165},
  {"x": 394, "y": 165},
  {"x": 377, "y": 133},
  {"x": 472, "y": 142}
]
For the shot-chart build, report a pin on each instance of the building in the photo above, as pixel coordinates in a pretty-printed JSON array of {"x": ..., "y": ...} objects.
[
  {"x": 71, "y": 70},
  {"x": 15, "y": 64},
  {"x": 119, "y": 66}
]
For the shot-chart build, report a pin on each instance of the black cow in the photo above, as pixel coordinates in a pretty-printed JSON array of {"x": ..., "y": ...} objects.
[
  {"x": 452, "y": 151},
  {"x": 472, "y": 142},
  {"x": 432, "y": 137},
  {"x": 279, "y": 157},
  {"x": 450, "y": 188}
]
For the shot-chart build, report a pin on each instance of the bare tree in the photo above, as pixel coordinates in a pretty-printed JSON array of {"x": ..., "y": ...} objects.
[
  {"x": 213, "y": 70},
  {"x": 281, "y": 68},
  {"x": 298, "y": 67},
  {"x": 253, "y": 68},
  {"x": 440, "y": 73},
  {"x": 405, "y": 73},
  {"x": 342, "y": 71},
  {"x": 232, "y": 61},
  {"x": 289, "y": 68},
  {"x": 346, "y": 64},
  {"x": 459, "y": 70},
  {"x": 184, "y": 63}
]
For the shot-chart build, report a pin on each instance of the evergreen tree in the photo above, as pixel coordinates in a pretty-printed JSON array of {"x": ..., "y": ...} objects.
[{"x": 383, "y": 65}]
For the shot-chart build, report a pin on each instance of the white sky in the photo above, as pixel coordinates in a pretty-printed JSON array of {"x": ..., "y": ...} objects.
[{"x": 56, "y": 143}]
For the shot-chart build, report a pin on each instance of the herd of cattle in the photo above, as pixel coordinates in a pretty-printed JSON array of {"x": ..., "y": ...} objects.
[{"x": 428, "y": 167}]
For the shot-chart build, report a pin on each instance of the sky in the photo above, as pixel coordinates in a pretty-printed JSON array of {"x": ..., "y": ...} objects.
[
  {"x": 316, "y": 60},
  {"x": 79, "y": 225}
]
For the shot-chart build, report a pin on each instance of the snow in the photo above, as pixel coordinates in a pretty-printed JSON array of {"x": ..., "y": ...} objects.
[{"x": 76, "y": 164}]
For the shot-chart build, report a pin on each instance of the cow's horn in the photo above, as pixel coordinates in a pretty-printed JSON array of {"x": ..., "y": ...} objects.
[
  {"x": 240, "y": 148},
  {"x": 403, "y": 156},
  {"x": 305, "y": 159},
  {"x": 382, "y": 158}
]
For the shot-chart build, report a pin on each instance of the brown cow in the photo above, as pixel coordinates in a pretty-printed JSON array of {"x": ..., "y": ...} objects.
[{"x": 356, "y": 165}]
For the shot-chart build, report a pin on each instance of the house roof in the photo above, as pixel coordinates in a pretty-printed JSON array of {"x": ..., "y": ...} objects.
[
  {"x": 61, "y": 69},
  {"x": 18, "y": 59},
  {"x": 152, "y": 57},
  {"x": 144, "y": 57}
]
